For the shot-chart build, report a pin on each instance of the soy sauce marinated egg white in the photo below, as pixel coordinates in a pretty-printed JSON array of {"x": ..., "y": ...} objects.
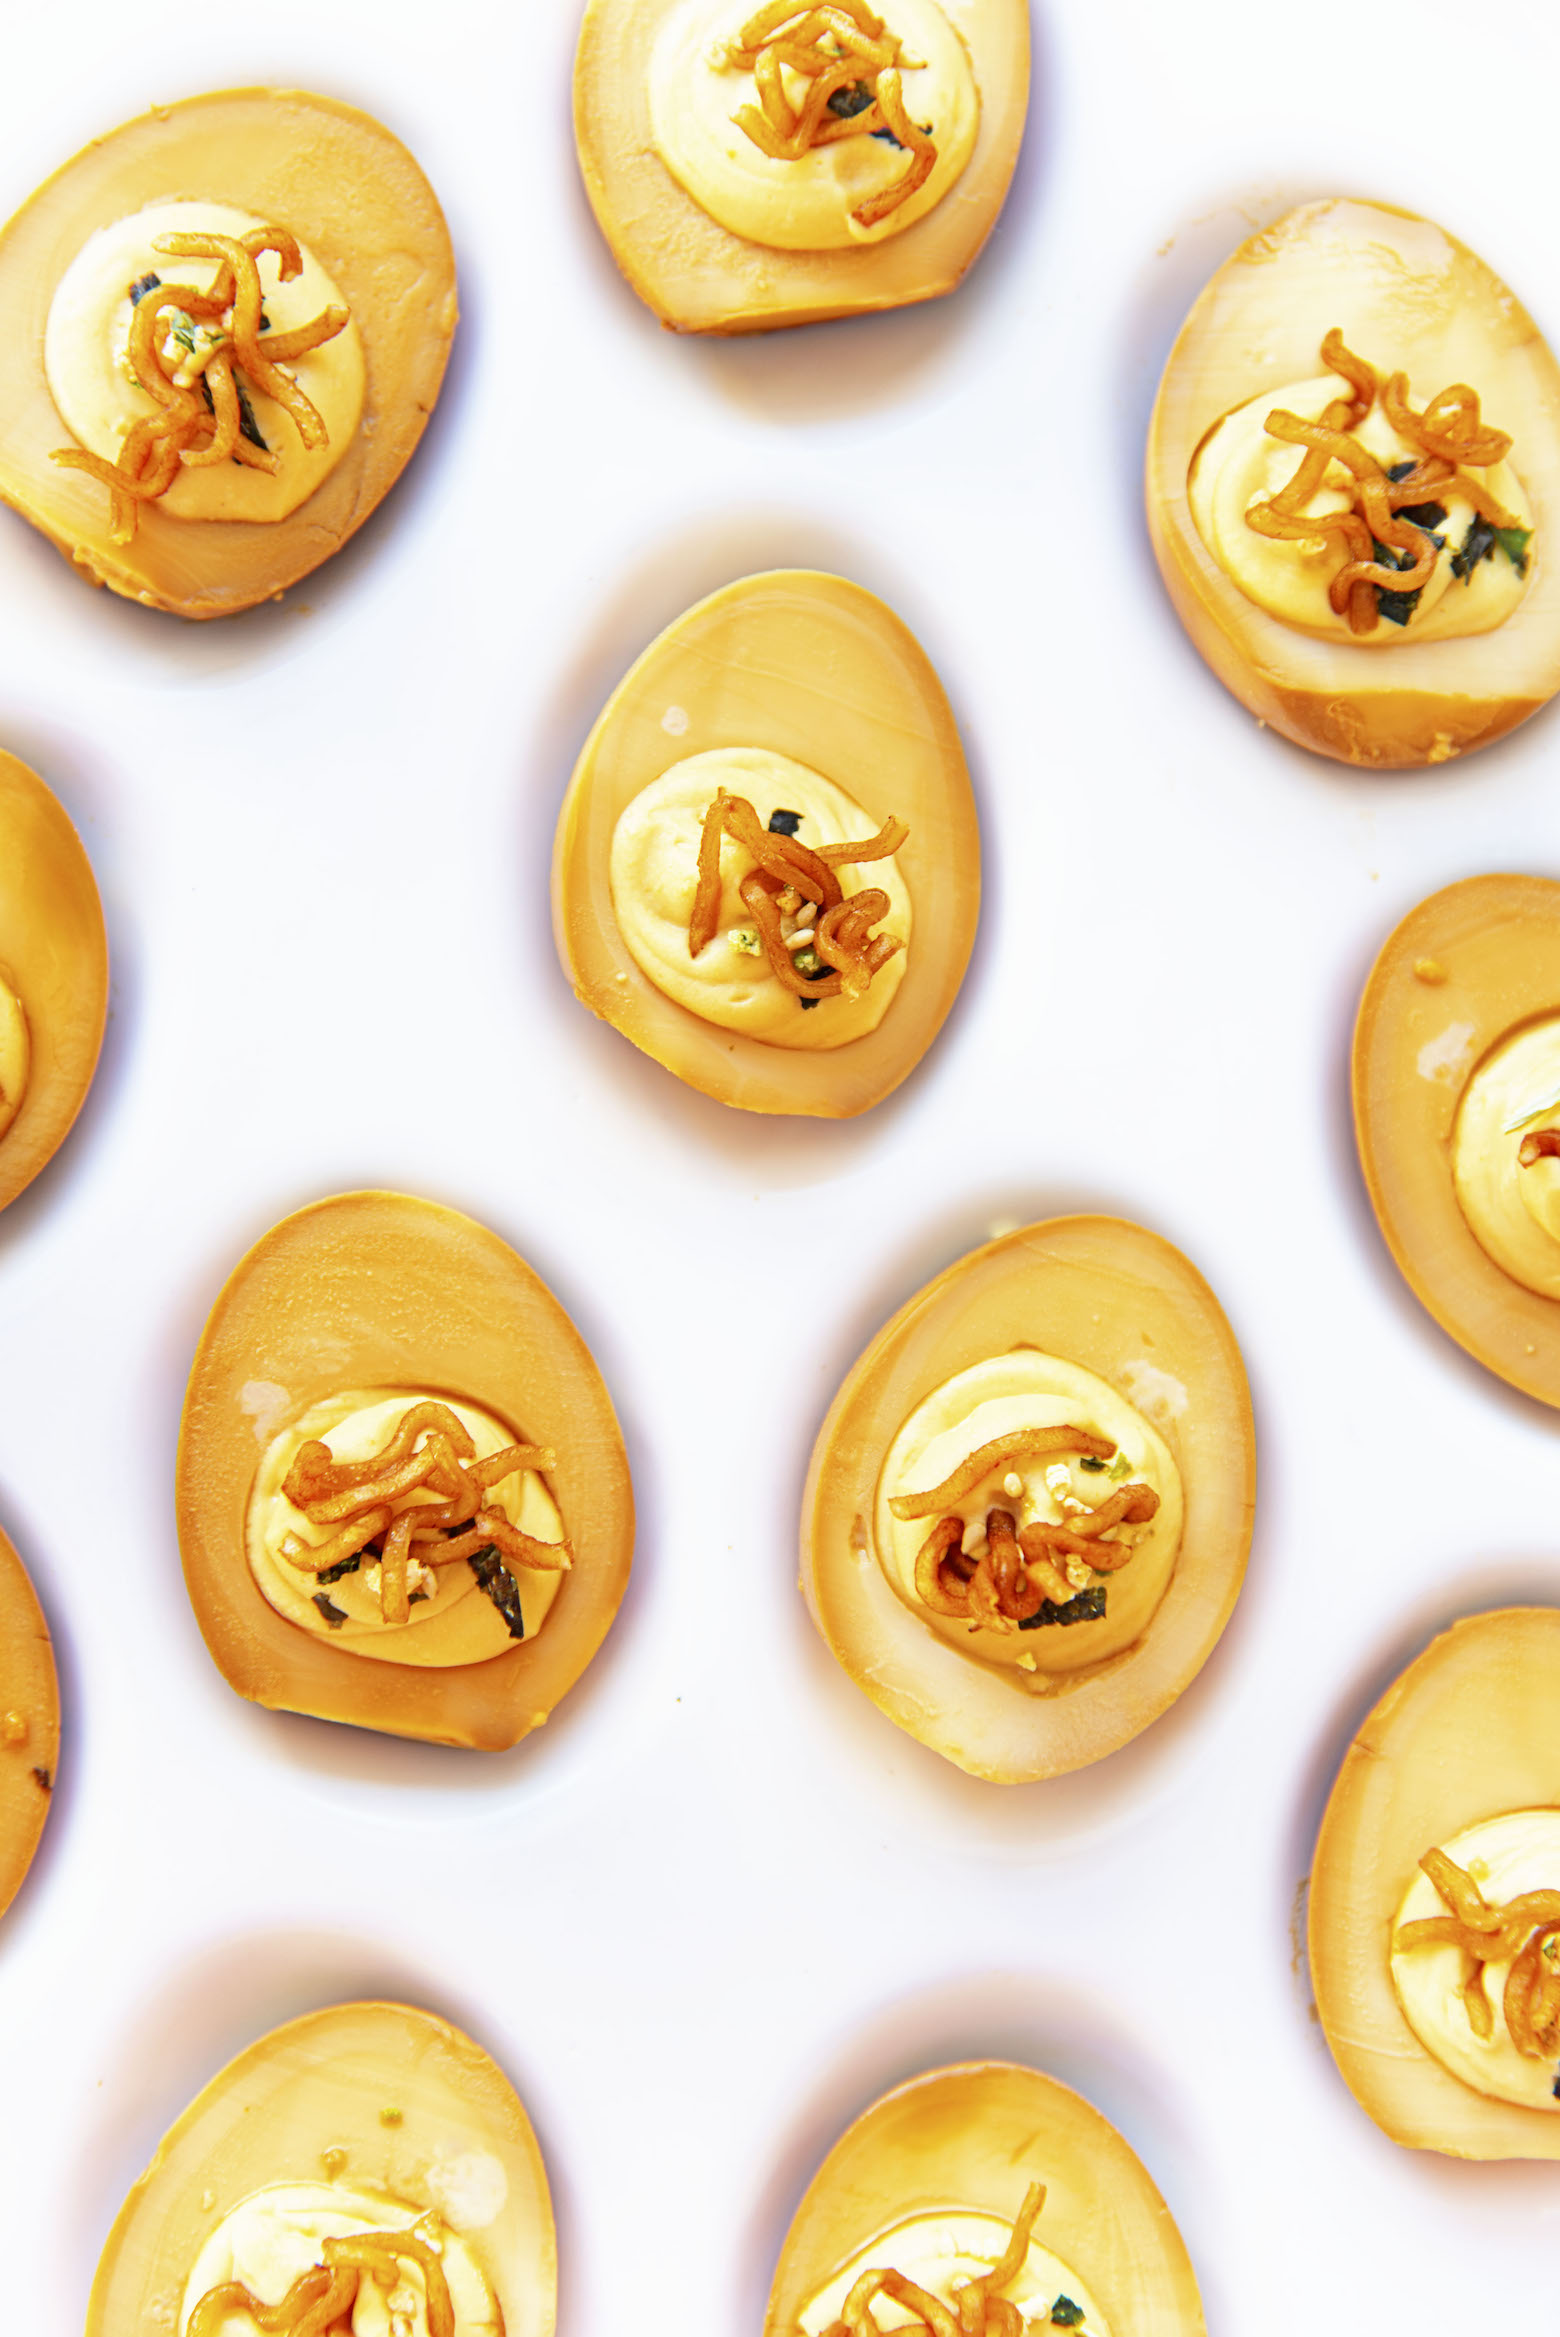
[
  {"x": 93, "y": 384},
  {"x": 269, "y": 2240},
  {"x": 654, "y": 873},
  {"x": 804, "y": 204},
  {"x": 15, "y": 1053}
]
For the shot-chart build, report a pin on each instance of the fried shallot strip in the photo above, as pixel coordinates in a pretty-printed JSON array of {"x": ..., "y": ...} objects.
[
  {"x": 784, "y": 870},
  {"x": 1539, "y": 1144},
  {"x": 1025, "y": 1444},
  {"x": 1524, "y": 1932},
  {"x": 838, "y": 49},
  {"x": 200, "y": 421}
]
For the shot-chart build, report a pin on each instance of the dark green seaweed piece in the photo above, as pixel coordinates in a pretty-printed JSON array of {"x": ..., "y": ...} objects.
[
  {"x": 248, "y": 427},
  {"x": 784, "y": 823},
  {"x": 1478, "y": 544},
  {"x": 1065, "y": 2314},
  {"x": 847, "y": 103},
  {"x": 1087, "y": 1607},
  {"x": 150, "y": 282},
  {"x": 1094, "y": 1467},
  {"x": 1514, "y": 542},
  {"x": 344, "y": 1566},
  {"x": 494, "y": 1577},
  {"x": 335, "y": 1616},
  {"x": 1398, "y": 607}
]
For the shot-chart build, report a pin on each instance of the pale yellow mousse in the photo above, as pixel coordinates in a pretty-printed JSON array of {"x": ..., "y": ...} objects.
[
  {"x": 941, "y": 2252},
  {"x": 1505, "y": 1856},
  {"x": 1514, "y": 1212},
  {"x": 1239, "y": 464},
  {"x": 1000, "y": 1398},
  {"x": 93, "y": 384},
  {"x": 806, "y": 204},
  {"x": 15, "y": 1053},
  {"x": 276, "y": 2235},
  {"x": 654, "y": 867},
  {"x": 452, "y": 1621}
]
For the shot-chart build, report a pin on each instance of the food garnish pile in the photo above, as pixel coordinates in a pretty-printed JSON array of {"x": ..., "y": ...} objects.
[
  {"x": 1525, "y": 1931},
  {"x": 854, "y": 67},
  {"x": 1387, "y": 535},
  {"x": 320, "y": 2302},
  {"x": 1020, "y": 1579},
  {"x": 383, "y": 1516},
  {"x": 198, "y": 354},
  {"x": 819, "y": 941},
  {"x": 980, "y": 2309}
]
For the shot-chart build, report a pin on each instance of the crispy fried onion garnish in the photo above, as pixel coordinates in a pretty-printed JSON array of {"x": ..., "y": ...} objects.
[
  {"x": 795, "y": 899},
  {"x": 1538, "y": 1144},
  {"x": 418, "y": 1500},
  {"x": 1525, "y": 1932},
  {"x": 320, "y": 2302},
  {"x": 854, "y": 67},
  {"x": 1448, "y": 435},
  {"x": 188, "y": 350},
  {"x": 979, "y": 2308},
  {"x": 1010, "y": 1579}
]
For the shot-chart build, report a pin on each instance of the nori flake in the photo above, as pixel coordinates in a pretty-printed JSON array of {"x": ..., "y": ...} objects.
[
  {"x": 847, "y": 103},
  {"x": 150, "y": 282},
  {"x": 1065, "y": 2314},
  {"x": 784, "y": 823},
  {"x": 1094, "y": 1467},
  {"x": 343, "y": 1566},
  {"x": 494, "y": 1577},
  {"x": 1398, "y": 607},
  {"x": 1478, "y": 544},
  {"x": 335, "y": 1616},
  {"x": 1086, "y": 1607},
  {"x": 248, "y": 427}
]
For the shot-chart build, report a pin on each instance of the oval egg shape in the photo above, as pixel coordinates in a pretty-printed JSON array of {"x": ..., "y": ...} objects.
[
  {"x": 382, "y": 2097},
  {"x": 700, "y": 277},
  {"x": 815, "y": 669},
  {"x": 1464, "y": 969},
  {"x": 381, "y": 1291},
  {"x": 1406, "y": 297},
  {"x": 54, "y": 962},
  {"x": 29, "y": 1723},
  {"x": 354, "y": 197},
  {"x": 973, "y": 2137},
  {"x": 1469, "y": 1731},
  {"x": 1118, "y": 1301}
]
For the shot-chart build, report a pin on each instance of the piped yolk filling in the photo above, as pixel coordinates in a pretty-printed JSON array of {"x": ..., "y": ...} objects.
[
  {"x": 818, "y": 940},
  {"x": 1506, "y": 1155},
  {"x": 951, "y": 2275},
  {"x": 1387, "y": 509},
  {"x": 322, "y": 2260},
  {"x": 851, "y": 66},
  {"x": 15, "y": 1054}
]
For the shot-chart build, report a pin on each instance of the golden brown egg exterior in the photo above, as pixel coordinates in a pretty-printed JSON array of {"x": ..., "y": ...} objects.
[
  {"x": 1469, "y": 1731},
  {"x": 700, "y": 278},
  {"x": 349, "y": 191},
  {"x": 54, "y": 952},
  {"x": 381, "y": 1290},
  {"x": 975, "y": 2136},
  {"x": 1465, "y": 967},
  {"x": 810, "y": 666},
  {"x": 1407, "y": 297},
  {"x": 1099, "y": 1292},
  {"x": 321, "y": 2085},
  {"x": 29, "y": 1723}
]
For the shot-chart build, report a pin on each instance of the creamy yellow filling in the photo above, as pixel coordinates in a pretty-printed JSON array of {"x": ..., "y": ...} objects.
[
  {"x": 15, "y": 1053},
  {"x": 804, "y": 205},
  {"x": 654, "y": 867},
  {"x": 1506, "y": 1856},
  {"x": 274, "y": 2236},
  {"x": 1239, "y": 464},
  {"x": 93, "y": 384},
  {"x": 1514, "y": 1212},
  {"x": 456, "y": 1622},
  {"x": 940, "y": 2252},
  {"x": 1008, "y": 1393}
]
